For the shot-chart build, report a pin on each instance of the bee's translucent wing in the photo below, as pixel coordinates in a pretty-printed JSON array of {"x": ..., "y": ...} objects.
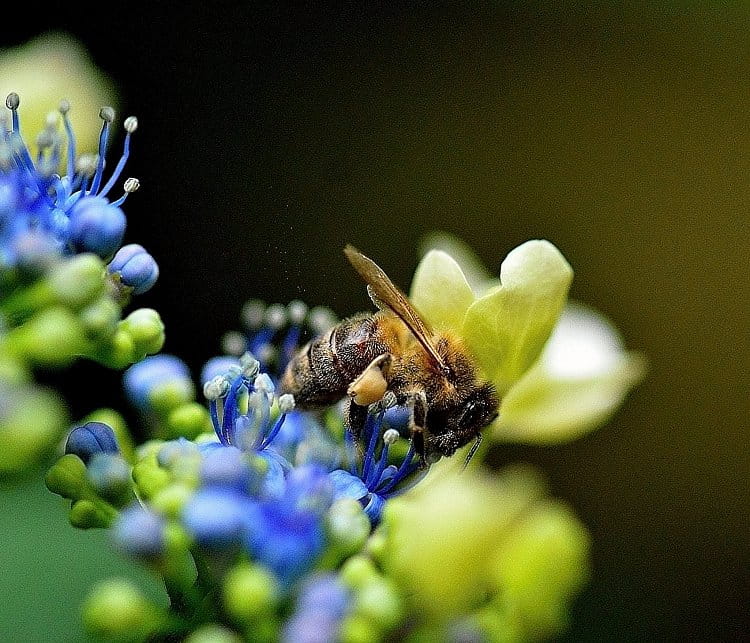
[{"x": 385, "y": 294}]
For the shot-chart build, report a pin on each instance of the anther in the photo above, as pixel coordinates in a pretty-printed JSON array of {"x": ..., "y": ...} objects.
[
  {"x": 233, "y": 343},
  {"x": 64, "y": 107},
  {"x": 275, "y": 316},
  {"x": 131, "y": 185},
  {"x": 286, "y": 403},
  {"x": 107, "y": 114},
  {"x": 215, "y": 388},
  {"x": 391, "y": 436},
  {"x": 86, "y": 165},
  {"x": 297, "y": 311},
  {"x": 252, "y": 313},
  {"x": 130, "y": 124},
  {"x": 12, "y": 101},
  {"x": 250, "y": 366}
]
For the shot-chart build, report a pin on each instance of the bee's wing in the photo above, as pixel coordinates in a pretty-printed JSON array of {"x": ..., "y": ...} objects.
[{"x": 385, "y": 294}]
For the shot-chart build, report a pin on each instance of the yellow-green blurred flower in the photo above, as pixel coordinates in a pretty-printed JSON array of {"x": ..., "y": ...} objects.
[
  {"x": 52, "y": 67},
  {"x": 561, "y": 369},
  {"x": 492, "y": 546}
]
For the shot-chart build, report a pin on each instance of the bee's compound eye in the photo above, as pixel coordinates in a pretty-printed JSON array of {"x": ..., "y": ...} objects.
[{"x": 468, "y": 416}]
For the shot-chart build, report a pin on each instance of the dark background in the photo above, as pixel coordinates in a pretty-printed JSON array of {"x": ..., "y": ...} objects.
[{"x": 271, "y": 136}]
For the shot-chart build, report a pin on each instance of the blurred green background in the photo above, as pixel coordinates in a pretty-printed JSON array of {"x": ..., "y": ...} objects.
[{"x": 272, "y": 136}]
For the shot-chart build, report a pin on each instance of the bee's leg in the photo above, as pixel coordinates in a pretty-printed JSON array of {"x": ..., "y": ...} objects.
[
  {"x": 419, "y": 425},
  {"x": 372, "y": 383},
  {"x": 356, "y": 415}
]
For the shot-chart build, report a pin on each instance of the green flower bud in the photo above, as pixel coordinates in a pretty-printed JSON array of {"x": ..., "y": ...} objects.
[
  {"x": 213, "y": 633},
  {"x": 541, "y": 564},
  {"x": 379, "y": 602},
  {"x": 150, "y": 478},
  {"x": 188, "y": 420},
  {"x": 31, "y": 421},
  {"x": 250, "y": 593},
  {"x": 171, "y": 499},
  {"x": 347, "y": 527},
  {"x": 169, "y": 396},
  {"x": 79, "y": 280},
  {"x": 68, "y": 478},
  {"x": 87, "y": 514},
  {"x": 116, "y": 608},
  {"x": 146, "y": 330},
  {"x": 358, "y": 629},
  {"x": 357, "y": 571},
  {"x": 52, "y": 337},
  {"x": 439, "y": 535},
  {"x": 119, "y": 352},
  {"x": 100, "y": 318}
]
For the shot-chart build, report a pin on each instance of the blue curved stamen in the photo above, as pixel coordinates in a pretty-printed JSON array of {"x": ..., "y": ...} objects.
[
  {"x": 268, "y": 439},
  {"x": 369, "y": 431},
  {"x": 214, "y": 412},
  {"x": 71, "y": 144},
  {"x": 118, "y": 170},
  {"x": 103, "y": 136},
  {"x": 378, "y": 471},
  {"x": 230, "y": 411},
  {"x": 407, "y": 467},
  {"x": 121, "y": 200}
]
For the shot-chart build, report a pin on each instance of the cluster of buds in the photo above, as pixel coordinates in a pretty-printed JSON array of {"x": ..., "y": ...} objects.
[{"x": 65, "y": 277}]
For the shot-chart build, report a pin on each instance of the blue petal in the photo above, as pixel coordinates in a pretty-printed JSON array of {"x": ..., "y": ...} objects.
[
  {"x": 345, "y": 485},
  {"x": 216, "y": 517}
]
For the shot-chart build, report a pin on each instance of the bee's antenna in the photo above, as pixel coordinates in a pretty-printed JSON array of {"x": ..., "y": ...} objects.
[{"x": 472, "y": 451}]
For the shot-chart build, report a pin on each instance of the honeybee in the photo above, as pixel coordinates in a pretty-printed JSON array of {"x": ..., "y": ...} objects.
[{"x": 394, "y": 350}]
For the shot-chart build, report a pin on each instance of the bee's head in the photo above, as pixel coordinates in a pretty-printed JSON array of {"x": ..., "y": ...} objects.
[{"x": 476, "y": 411}]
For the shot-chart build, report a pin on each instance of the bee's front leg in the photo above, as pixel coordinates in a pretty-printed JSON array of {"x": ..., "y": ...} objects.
[{"x": 418, "y": 426}]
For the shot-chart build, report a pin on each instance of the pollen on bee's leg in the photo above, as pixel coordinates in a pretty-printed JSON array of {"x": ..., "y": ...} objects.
[{"x": 371, "y": 385}]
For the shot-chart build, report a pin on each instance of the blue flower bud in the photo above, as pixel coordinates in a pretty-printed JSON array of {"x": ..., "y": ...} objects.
[
  {"x": 96, "y": 226},
  {"x": 139, "y": 532},
  {"x": 217, "y": 366},
  {"x": 109, "y": 474},
  {"x": 321, "y": 605},
  {"x": 91, "y": 438},
  {"x": 216, "y": 517},
  {"x": 142, "y": 378},
  {"x": 136, "y": 267}
]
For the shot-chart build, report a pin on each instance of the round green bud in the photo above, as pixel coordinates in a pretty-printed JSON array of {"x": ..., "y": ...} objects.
[
  {"x": 109, "y": 475},
  {"x": 100, "y": 318},
  {"x": 378, "y": 601},
  {"x": 87, "y": 514},
  {"x": 150, "y": 478},
  {"x": 176, "y": 539},
  {"x": 171, "y": 499},
  {"x": 32, "y": 420},
  {"x": 357, "y": 629},
  {"x": 188, "y": 420},
  {"x": 117, "y": 608},
  {"x": 347, "y": 526},
  {"x": 213, "y": 633},
  {"x": 119, "y": 352},
  {"x": 146, "y": 330},
  {"x": 357, "y": 571},
  {"x": 377, "y": 544},
  {"x": 68, "y": 478},
  {"x": 250, "y": 592},
  {"x": 78, "y": 280},
  {"x": 53, "y": 337},
  {"x": 168, "y": 396}
]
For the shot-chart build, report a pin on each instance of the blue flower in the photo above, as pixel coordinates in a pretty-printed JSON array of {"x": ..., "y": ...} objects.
[
  {"x": 286, "y": 534},
  {"x": 374, "y": 480},
  {"x": 43, "y": 215}
]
